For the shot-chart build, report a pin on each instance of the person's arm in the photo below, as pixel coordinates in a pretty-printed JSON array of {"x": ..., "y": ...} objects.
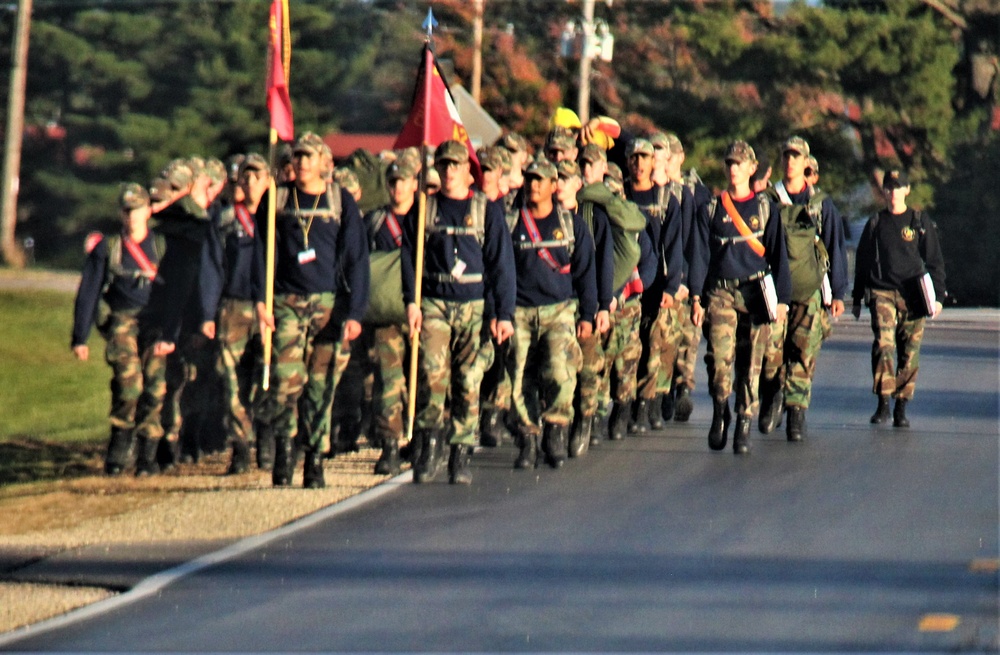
[
  {"x": 833, "y": 241},
  {"x": 88, "y": 296},
  {"x": 584, "y": 270},
  {"x": 352, "y": 252}
]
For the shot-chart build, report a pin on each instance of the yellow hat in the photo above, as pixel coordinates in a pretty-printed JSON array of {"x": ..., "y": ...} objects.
[{"x": 565, "y": 117}]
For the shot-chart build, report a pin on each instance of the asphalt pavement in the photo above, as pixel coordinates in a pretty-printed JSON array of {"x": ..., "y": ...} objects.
[{"x": 861, "y": 538}]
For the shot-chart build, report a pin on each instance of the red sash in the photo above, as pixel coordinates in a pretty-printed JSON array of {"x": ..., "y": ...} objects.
[
  {"x": 536, "y": 237},
  {"x": 147, "y": 267},
  {"x": 741, "y": 226},
  {"x": 394, "y": 229},
  {"x": 633, "y": 286},
  {"x": 243, "y": 215}
]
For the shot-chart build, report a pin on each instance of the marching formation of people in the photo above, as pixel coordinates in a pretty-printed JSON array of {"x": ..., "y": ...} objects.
[{"x": 557, "y": 300}]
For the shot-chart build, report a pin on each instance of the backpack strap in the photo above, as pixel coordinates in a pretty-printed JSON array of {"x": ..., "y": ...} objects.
[
  {"x": 376, "y": 221},
  {"x": 333, "y": 212},
  {"x": 477, "y": 212}
]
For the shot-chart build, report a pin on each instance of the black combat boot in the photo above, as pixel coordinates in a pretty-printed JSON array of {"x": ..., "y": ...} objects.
[
  {"x": 796, "y": 428},
  {"x": 168, "y": 453},
  {"x": 881, "y": 414},
  {"x": 667, "y": 406},
  {"x": 772, "y": 401},
  {"x": 741, "y": 435},
  {"x": 654, "y": 410},
  {"x": 491, "y": 428},
  {"x": 281, "y": 474},
  {"x": 554, "y": 445},
  {"x": 240, "y": 463},
  {"x": 899, "y": 419},
  {"x": 119, "y": 451},
  {"x": 145, "y": 463},
  {"x": 312, "y": 471},
  {"x": 599, "y": 430},
  {"x": 683, "y": 406},
  {"x": 618, "y": 423},
  {"x": 579, "y": 441},
  {"x": 718, "y": 433},
  {"x": 528, "y": 450},
  {"x": 265, "y": 446},
  {"x": 458, "y": 465},
  {"x": 427, "y": 466},
  {"x": 637, "y": 420},
  {"x": 388, "y": 461}
]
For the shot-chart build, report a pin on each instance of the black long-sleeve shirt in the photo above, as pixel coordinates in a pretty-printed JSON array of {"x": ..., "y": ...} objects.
[
  {"x": 227, "y": 259},
  {"x": 665, "y": 229},
  {"x": 896, "y": 248}
]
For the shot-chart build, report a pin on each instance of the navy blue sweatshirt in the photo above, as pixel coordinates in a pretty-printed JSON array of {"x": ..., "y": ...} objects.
[
  {"x": 227, "y": 260},
  {"x": 719, "y": 258},
  {"x": 126, "y": 293},
  {"x": 538, "y": 283},
  {"x": 493, "y": 260},
  {"x": 604, "y": 257},
  {"x": 384, "y": 240},
  {"x": 336, "y": 259},
  {"x": 666, "y": 234}
]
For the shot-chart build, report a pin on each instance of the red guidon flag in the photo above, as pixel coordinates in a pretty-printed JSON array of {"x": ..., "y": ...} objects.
[
  {"x": 433, "y": 116},
  {"x": 279, "y": 56}
]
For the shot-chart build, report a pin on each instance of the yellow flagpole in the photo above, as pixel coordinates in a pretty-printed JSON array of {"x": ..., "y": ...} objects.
[{"x": 269, "y": 268}]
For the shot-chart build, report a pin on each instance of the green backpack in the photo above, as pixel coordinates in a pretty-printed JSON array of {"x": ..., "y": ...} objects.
[
  {"x": 808, "y": 260},
  {"x": 627, "y": 220},
  {"x": 385, "y": 295}
]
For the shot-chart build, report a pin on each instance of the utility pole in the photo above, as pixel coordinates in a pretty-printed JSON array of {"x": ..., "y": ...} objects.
[
  {"x": 11, "y": 252},
  {"x": 477, "y": 49},
  {"x": 583, "y": 101}
]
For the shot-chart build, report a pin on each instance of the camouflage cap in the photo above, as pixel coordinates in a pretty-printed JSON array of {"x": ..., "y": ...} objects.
[
  {"x": 505, "y": 161},
  {"x": 895, "y": 179},
  {"x": 541, "y": 168},
  {"x": 197, "y": 166},
  {"x": 309, "y": 143},
  {"x": 659, "y": 140},
  {"x": 178, "y": 173},
  {"x": 615, "y": 172},
  {"x": 132, "y": 196},
  {"x": 452, "y": 150},
  {"x": 674, "y": 144},
  {"x": 433, "y": 179},
  {"x": 410, "y": 156},
  {"x": 740, "y": 152},
  {"x": 640, "y": 147},
  {"x": 514, "y": 142},
  {"x": 400, "y": 170},
  {"x": 284, "y": 157},
  {"x": 347, "y": 179},
  {"x": 593, "y": 153},
  {"x": 489, "y": 159},
  {"x": 560, "y": 138},
  {"x": 160, "y": 190},
  {"x": 233, "y": 163},
  {"x": 796, "y": 144},
  {"x": 568, "y": 168},
  {"x": 253, "y": 162},
  {"x": 215, "y": 170},
  {"x": 614, "y": 180},
  {"x": 813, "y": 164}
]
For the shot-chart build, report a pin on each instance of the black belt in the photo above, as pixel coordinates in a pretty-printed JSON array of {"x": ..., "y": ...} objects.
[{"x": 736, "y": 283}]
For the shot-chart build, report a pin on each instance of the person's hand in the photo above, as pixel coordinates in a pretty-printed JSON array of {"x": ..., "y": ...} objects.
[
  {"x": 82, "y": 352},
  {"x": 682, "y": 293},
  {"x": 163, "y": 348},
  {"x": 856, "y": 310},
  {"x": 584, "y": 329},
  {"x": 208, "y": 329},
  {"x": 837, "y": 308},
  {"x": 782, "y": 313},
  {"x": 352, "y": 330},
  {"x": 264, "y": 318},
  {"x": 938, "y": 308},
  {"x": 697, "y": 312},
  {"x": 603, "y": 321},
  {"x": 414, "y": 319},
  {"x": 667, "y": 301},
  {"x": 614, "y": 305},
  {"x": 503, "y": 330}
]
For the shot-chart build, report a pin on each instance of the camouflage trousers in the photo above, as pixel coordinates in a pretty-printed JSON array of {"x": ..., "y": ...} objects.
[
  {"x": 546, "y": 360},
  {"x": 388, "y": 353},
  {"x": 239, "y": 347},
  {"x": 660, "y": 336},
  {"x": 736, "y": 345},
  {"x": 158, "y": 413},
  {"x": 897, "y": 335},
  {"x": 792, "y": 349},
  {"x": 308, "y": 360},
  {"x": 122, "y": 355},
  {"x": 621, "y": 355},
  {"x": 455, "y": 352},
  {"x": 589, "y": 379},
  {"x": 689, "y": 336},
  {"x": 495, "y": 391}
]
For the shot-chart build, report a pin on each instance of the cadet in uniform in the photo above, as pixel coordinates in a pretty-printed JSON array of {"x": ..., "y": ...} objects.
[
  {"x": 898, "y": 246},
  {"x": 738, "y": 243},
  {"x": 119, "y": 271},
  {"x": 466, "y": 235},
  {"x": 814, "y": 240},
  {"x": 517, "y": 146},
  {"x": 554, "y": 258},
  {"x": 320, "y": 249}
]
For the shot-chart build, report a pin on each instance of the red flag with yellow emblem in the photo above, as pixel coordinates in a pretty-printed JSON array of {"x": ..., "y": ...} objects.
[{"x": 279, "y": 104}]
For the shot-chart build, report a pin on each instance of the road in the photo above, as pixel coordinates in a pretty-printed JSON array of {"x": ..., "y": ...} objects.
[{"x": 858, "y": 539}]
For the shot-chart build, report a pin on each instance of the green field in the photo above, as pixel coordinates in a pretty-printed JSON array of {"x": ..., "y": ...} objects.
[{"x": 53, "y": 408}]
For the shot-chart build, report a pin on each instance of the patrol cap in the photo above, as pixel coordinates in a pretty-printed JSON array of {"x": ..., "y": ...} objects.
[
  {"x": 505, "y": 161},
  {"x": 179, "y": 174},
  {"x": 132, "y": 196},
  {"x": 215, "y": 170},
  {"x": 197, "y": 166},
  {"x": 400, "y": 170},
  {"x": 593, "y": 153},
  {"x": 615, "y": 172},
  {"x": 252, "y": 162},
  {"x": 561, "y": 139},
  {"x": 160, "y": 189},
  {"x": 410, "y": 156},
  {"x": 674, "y": 144},
  {"x": 451, "y": 150},
  {"x": 761, "y": 173},
  {"x": 233, "y": 163},
  {"x": 813, "y": 164},
  {"x": 489, "y": 159},
  {"x": 614, "y": 179},
  {"x": 347, "y": 179},
  {"x": 640, "y": 147},
  {"x": 433, "y": 179},
  {"x": 514, "y": 142},
  {"x": 895, "y": 179},
  {"x": 659, "y": 140},
  {"x": 309, "y": 143},
  {"x": 740, "y": 152},
  {"x": 796, "y": 144},
  {"x": 541, "y": 168},
  {"x": 568, "y": 168}
]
